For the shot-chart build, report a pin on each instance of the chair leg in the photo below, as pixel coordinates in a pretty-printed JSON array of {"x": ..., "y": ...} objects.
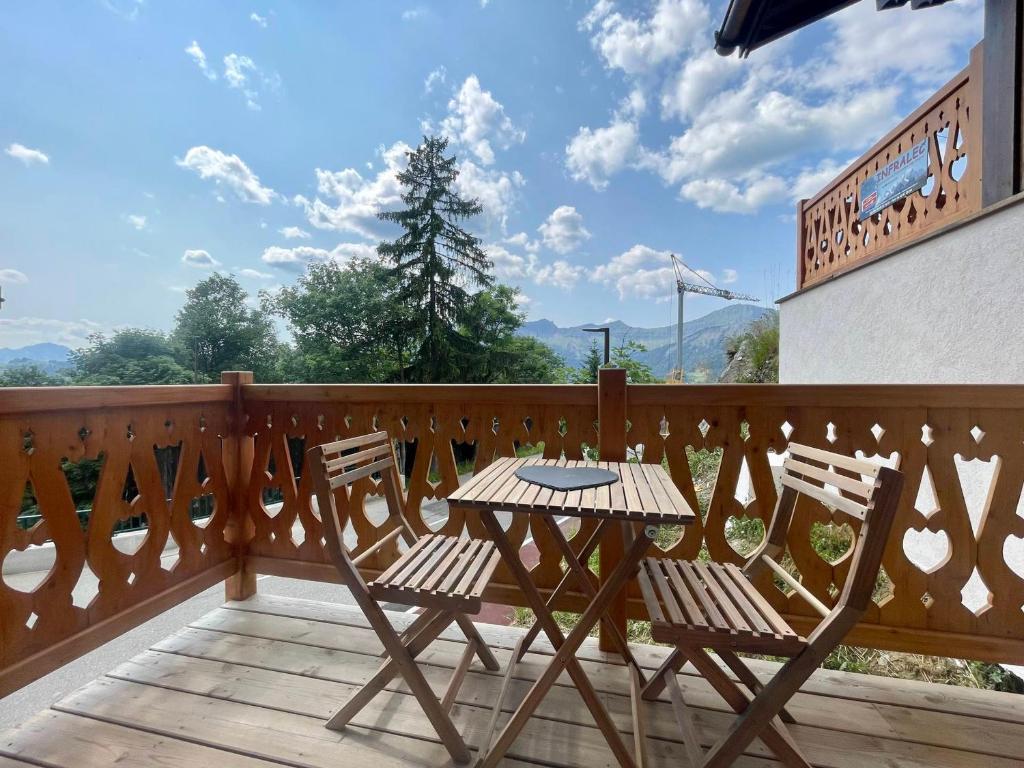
[
  {"x": 748, "y": 678},
  {"x": 401, "y": 658},
  {"x": 765, "y": 706},
  {"x": 473, "y": 634},
  {"x": 414, "y": 629},
  {"x": 387, "y": 672},
  {"x": 656, "y": 684}
]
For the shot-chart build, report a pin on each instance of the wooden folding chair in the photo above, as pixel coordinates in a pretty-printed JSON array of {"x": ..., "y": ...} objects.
[
  {"x": 445, "y": 575},
  {"x": 697, "y": 605}
]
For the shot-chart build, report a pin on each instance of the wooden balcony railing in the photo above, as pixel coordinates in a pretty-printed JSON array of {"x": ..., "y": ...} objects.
[
  {"x": 243, "y": 444},
  {"x": 831, "y": 238}
]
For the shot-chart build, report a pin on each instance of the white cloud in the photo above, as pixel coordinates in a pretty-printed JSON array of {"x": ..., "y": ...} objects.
[
  {"x": 641, "y": 272},
  {"x": 26, "y": 155},
  {"x": 257, "y": 19},
  {"x": 729, "y": 276},
  {"x": 239, "y": 72},
  {"x": 563, "y": 230},
  {"x": 594, "y": 155},
  {"x": 347, "y": 202},
  {"x": 866, "y": 46},
  {"x": 412, "y": 14},
  {"x": 200, "y": 59},
  {"x": 726, "y": 197},
  {"x": 559, "y": 273},
  {"x": 496, "y": 190},
  {"x": 229, "y": 171},
  {"x": 200, "y": 259},
  {"x": 296, "y": 259},
  {"x": 126, "y": 9},
  {"x": 755, "y": 128},
  {"x": 746, "y": 133},
  {"x": 136, "y": 220},
  {"x": 295, "y": 233},
  {"x": 476, "y": 119},
  {"x": 639, "y": 45},
  {"x": 515, "y": 267},
  {"x": 12, "y": 277},
  {"x": 255, "y": 274},
  {"x": 697, "y": 82},
  {"x": 509, "y": 265},
  {"x": 436, "y": 77},
  {"x": 522, "y": 240},
  {"x": 810, "y": 181},
  {"x": 22, "y": 331}
]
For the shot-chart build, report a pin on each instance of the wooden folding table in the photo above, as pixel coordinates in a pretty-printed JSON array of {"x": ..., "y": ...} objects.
[{"x": 644, "y": 497}]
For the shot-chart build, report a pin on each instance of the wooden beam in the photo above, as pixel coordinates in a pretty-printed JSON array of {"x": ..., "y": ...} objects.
[
  {"x": 238, "y": 457},
  {"x": 611, "y": 418},
  {"x": 548, "y": 394},
  {"x": 1001, "y": 148},
  {"x": 48, "y": 399}
]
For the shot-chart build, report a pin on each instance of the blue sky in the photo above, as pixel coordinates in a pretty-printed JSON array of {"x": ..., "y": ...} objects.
[{"x": 145, "y": 143}]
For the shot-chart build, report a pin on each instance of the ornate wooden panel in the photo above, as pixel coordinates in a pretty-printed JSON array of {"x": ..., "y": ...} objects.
[
  {"x": 964, "y": 475},
  {"x": 427, "y": 426},
  {"x": 832, "y": 238},
  {"x": 125, "y": 452}
]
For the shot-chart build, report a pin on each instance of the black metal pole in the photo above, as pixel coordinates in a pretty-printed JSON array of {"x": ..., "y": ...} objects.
[{"x": 607, "y": 341}]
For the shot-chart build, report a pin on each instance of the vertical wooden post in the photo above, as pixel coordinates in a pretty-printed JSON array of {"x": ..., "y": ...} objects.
[
  {"x": 1001, "y": 95},
  {"x": 238, "y": 458},
  {"x": 611, "y": 417},
  {"x": 801, "y": 243}
]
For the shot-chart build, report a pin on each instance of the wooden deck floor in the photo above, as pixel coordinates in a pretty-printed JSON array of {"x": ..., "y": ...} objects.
[{"x": 252, "y": 683}]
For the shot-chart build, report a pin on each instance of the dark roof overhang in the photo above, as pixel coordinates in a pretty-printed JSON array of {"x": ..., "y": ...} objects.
[{"x": 749, "y": 24}]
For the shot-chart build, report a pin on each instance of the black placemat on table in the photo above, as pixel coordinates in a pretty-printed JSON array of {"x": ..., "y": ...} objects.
[{"x": 566, "y": 478}]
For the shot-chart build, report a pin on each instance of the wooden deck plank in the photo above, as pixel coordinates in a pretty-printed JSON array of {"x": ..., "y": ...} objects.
[
  {"x": 71, "y": 741},
  {"x": 560, "y": 740},
  {"x": 257, "y": 731},
  {"x": 251, "y": 685},
  {"x": 864, "y": 720},
  {"x": 990, "y": 705}
]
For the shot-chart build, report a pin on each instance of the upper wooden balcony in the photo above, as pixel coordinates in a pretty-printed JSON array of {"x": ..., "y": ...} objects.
[
  {"x": 259, "y": 677},
  {"x": 831, "y": 237}
]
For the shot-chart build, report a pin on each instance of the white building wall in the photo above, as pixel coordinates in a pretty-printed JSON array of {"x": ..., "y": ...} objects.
[{"x": 949, "y": 310}]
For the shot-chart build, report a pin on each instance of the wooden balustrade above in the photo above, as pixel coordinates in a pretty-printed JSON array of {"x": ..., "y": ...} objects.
[
  {"x": 831, "y": 238},
  {"x": 244, "y": 445}
]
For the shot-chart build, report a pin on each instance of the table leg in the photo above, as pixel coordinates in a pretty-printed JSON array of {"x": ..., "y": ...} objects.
[
  {"x": 577, "y": 568},
  {"x": 564, "y": 658},
  {"x": 563, "y": 585}
]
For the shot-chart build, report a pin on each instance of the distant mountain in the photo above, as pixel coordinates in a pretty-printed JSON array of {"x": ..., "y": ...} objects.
[
  {"x": 49, "y": 357},
  {"x": 704, "y": 339}
]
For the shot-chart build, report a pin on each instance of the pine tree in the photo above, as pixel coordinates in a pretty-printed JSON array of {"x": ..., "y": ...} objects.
[{"x": 436, "y": 259}]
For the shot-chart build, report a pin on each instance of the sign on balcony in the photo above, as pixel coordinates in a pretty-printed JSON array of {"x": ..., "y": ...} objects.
[{"x": 905, "y": 174}]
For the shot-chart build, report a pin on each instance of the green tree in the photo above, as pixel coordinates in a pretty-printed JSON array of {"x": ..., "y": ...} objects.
[
  {"x": 436, "y": 259},
  {"x": 217, "y": 331},
  {"x": 348, "y": 322},
  {"x": 130, "y": 356},
  {"x": 29, "y": 376},
  {"x": 622, "y": 356},
  {"x": 498, "y": 354},
  {"x": 637, "y": 372},
  {"x": 587, "y": 372}
]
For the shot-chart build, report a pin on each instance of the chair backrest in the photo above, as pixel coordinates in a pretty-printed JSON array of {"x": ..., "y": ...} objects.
[
  {"x": 339, "y": 464},
  {"x": 863, "y": 490}
]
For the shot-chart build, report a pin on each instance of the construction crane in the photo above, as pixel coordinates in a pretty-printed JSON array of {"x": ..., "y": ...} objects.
[{"x": 682, "y": 288}]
